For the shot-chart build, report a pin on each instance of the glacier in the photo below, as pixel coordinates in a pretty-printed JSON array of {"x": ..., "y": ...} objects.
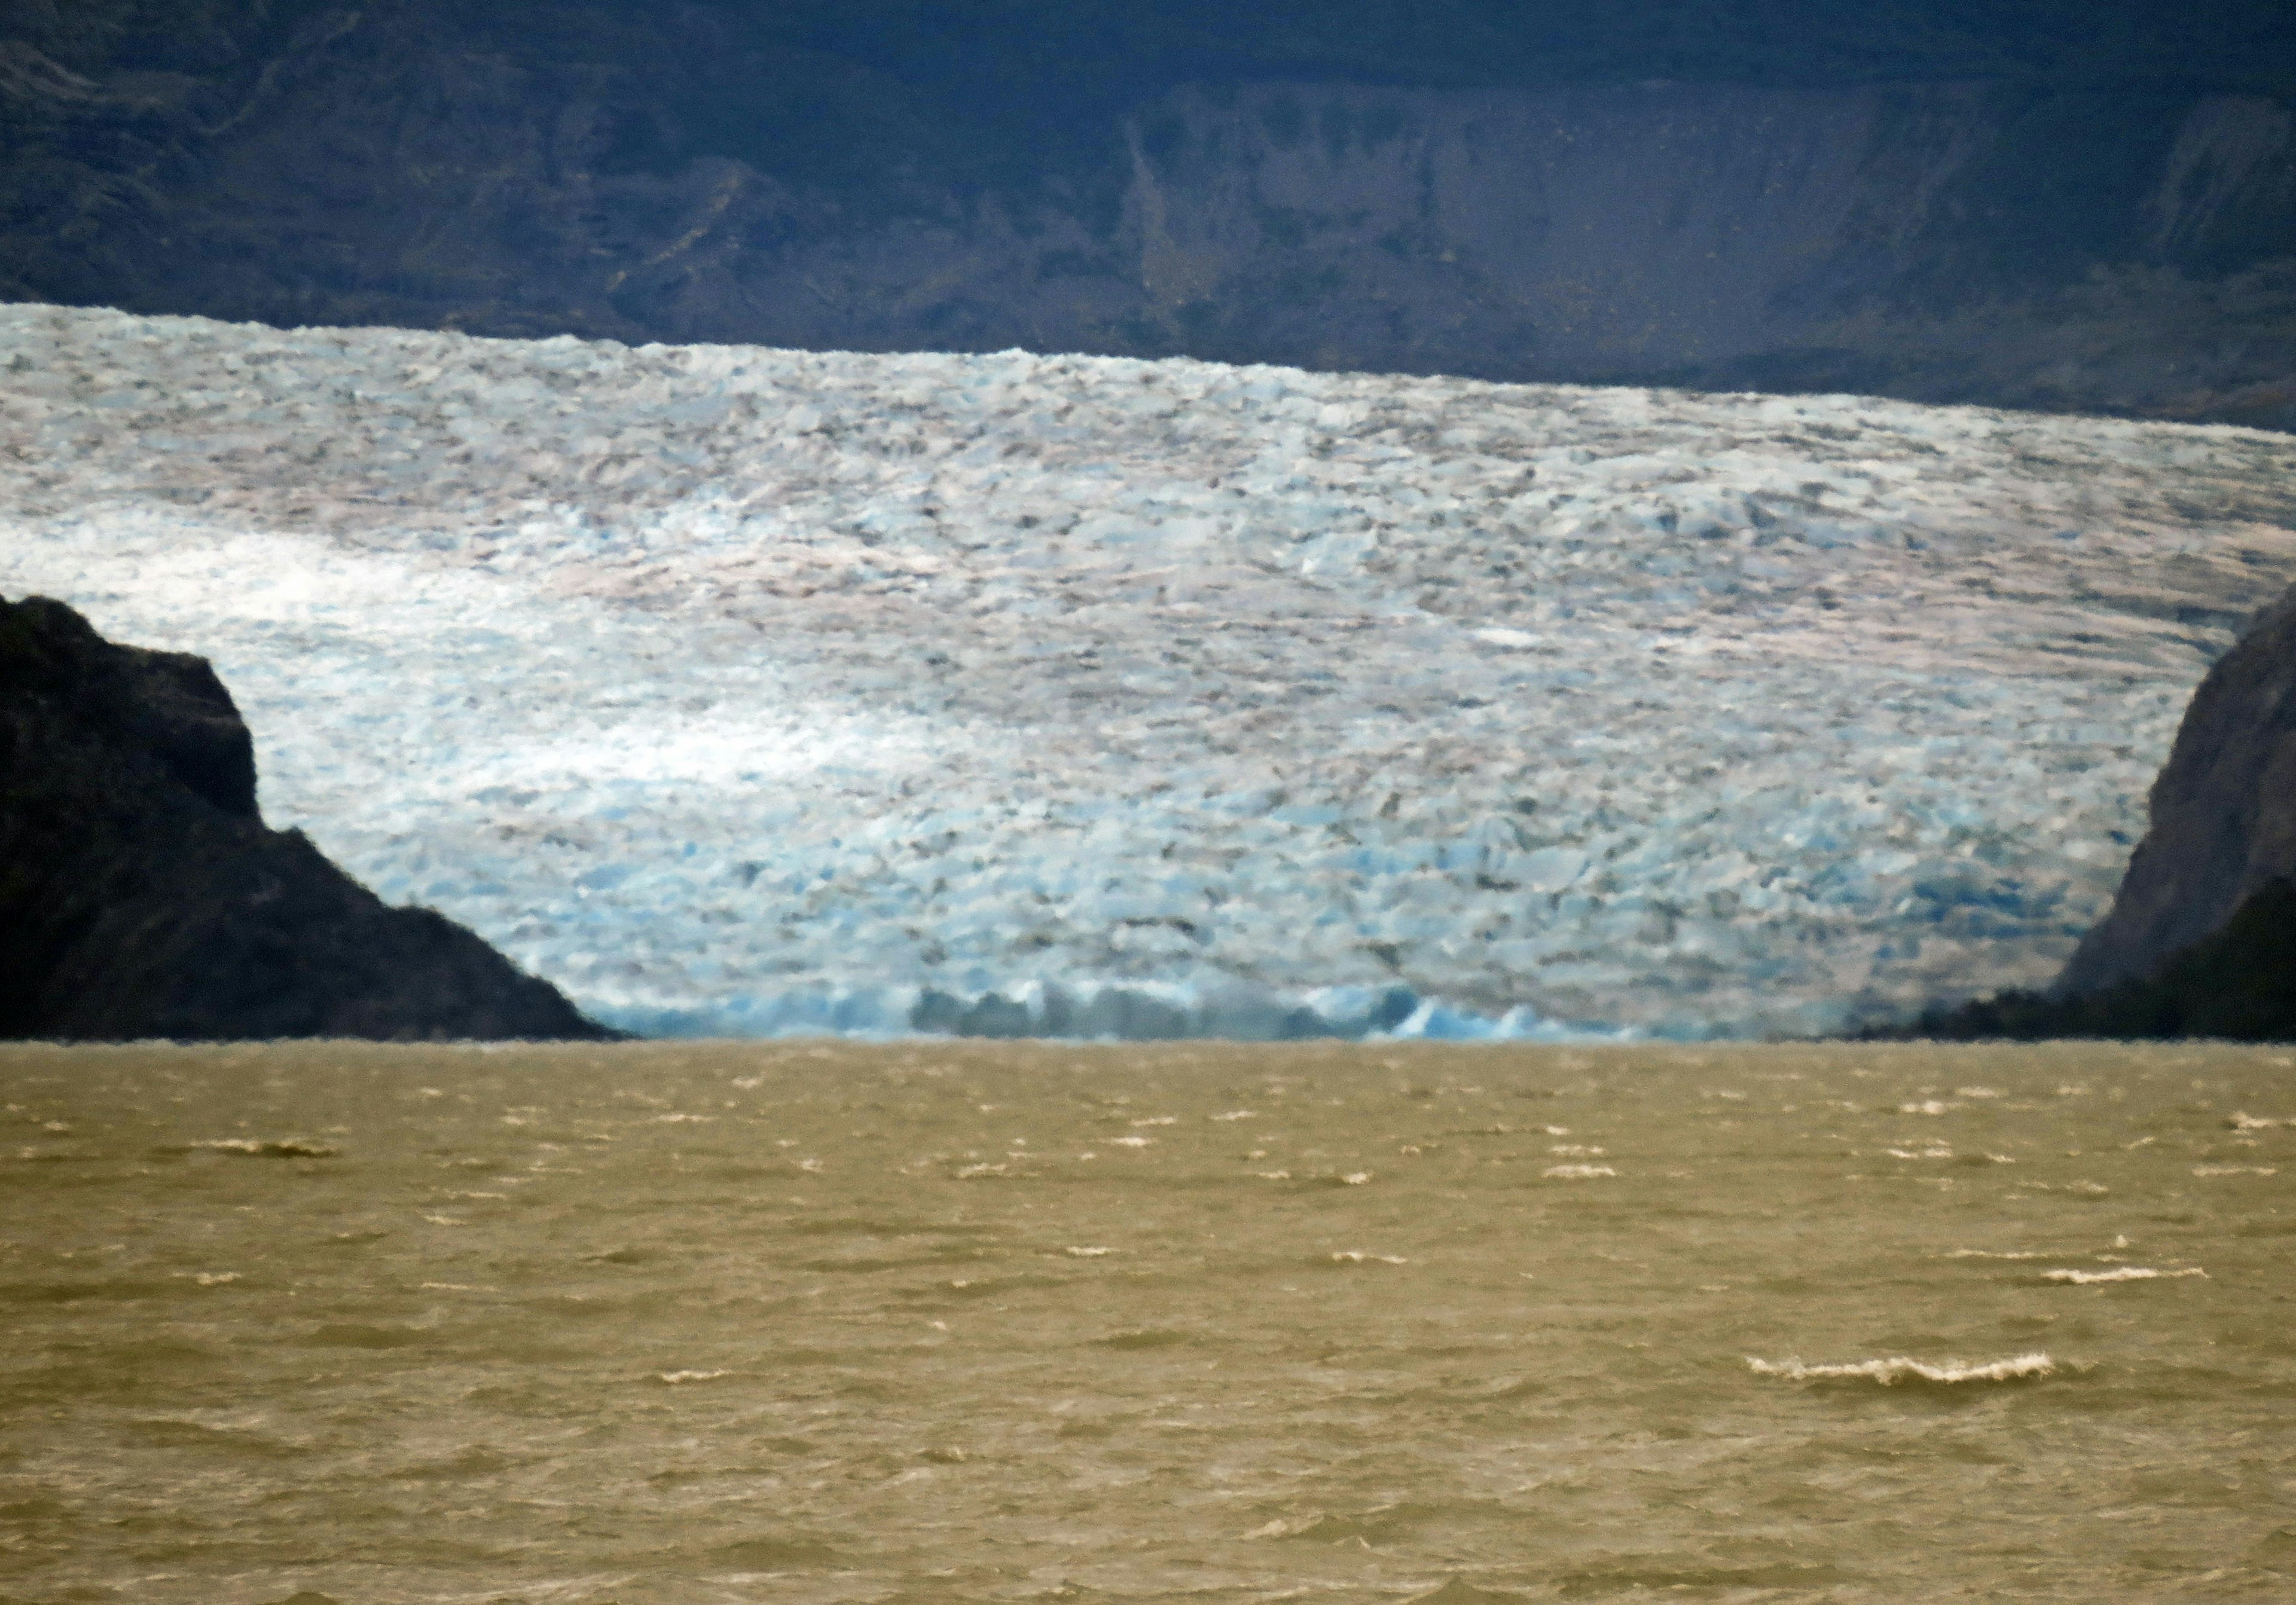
[{"x": 746, "y": 691}]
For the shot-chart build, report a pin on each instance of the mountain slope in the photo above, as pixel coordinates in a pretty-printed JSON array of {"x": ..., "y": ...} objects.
[
  {"x": 2201, "y": 938},
  {"x": 141, "y": 896},
  {"x": 2223, "y": 814},
  {"x": 2057, "y": 207},
  {"x": 2237, "y": 982}
]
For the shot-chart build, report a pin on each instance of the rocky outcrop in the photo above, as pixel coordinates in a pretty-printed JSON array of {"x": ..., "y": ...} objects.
[
  {"x": 2237, "y": 984},
  {"x": 141, "y": 895},
  {"x": 690, "y": 173},
  {"x": 2223, "y": 814},
  {"x": 2200, "y": 940}
]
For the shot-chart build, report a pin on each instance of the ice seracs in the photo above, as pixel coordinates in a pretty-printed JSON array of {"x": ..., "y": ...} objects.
[{"x": 746, "y": 691}]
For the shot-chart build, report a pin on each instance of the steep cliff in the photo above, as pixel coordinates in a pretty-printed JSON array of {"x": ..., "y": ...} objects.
[
  {"x": 2238, "y": 983},
  {"x": 141, "y": 895},
  {"x": 2223, "y": 814},
  {"x": 2200, "y": 940},
  {"x": 2116, "y": 231}
]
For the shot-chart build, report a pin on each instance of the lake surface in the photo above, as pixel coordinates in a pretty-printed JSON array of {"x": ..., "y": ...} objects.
[{"x": 951, "y": 1322}]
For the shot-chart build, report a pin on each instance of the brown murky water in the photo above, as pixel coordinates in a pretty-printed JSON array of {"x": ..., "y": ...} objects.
[{"x": 927, "y": 1323}]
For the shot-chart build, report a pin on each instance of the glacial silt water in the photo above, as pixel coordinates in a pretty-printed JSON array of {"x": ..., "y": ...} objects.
[{"x": 951, "y": 1322}]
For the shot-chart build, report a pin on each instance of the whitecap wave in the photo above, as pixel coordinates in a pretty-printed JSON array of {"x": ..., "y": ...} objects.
[
  {"x": 274, "y": 1147},
  {"x": 2118, "y": 1274},
  {"x": 1889, "y": 1372}
]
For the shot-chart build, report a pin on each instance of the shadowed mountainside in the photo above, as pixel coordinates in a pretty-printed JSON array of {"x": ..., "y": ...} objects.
[
  {"x": 2081, "y": 207},
  {"x": 141, "y": 895}
]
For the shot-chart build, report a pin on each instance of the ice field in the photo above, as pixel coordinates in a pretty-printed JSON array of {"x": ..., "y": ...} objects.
[{"x": 744, "y": 691}]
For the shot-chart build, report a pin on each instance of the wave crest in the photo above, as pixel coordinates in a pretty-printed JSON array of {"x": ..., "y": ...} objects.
[{"x": 1889, "y": 1372}]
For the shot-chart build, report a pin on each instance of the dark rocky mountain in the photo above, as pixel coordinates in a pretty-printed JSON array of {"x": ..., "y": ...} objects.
[
  {"x": 2033, "y": 203},
  {"x": 2223, "y": 814},
  {"x": 141, "y": 895},
  {"x": 2200, "y": 940},
  {"x": 2238, "y": 984}
]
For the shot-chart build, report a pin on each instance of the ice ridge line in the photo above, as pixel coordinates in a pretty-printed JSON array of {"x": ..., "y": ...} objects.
[{"x": 1037, "y": 1010}]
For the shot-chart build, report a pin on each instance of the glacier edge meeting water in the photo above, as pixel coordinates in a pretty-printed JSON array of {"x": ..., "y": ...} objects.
[
  {"x": 1092, "y": 1012},
  {"x": 750, "y": 691}
]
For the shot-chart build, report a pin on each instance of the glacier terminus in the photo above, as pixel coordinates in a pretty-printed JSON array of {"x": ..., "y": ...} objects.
[{"x": 746, "y": 691}]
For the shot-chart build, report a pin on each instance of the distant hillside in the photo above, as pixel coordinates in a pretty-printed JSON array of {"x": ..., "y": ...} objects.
[
  {"x": 141, "y": 895},
  {"x": 2042, "y": 204}
]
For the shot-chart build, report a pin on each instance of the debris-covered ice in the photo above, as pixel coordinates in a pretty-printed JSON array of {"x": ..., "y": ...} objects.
[{"x": 747, "y": 691}]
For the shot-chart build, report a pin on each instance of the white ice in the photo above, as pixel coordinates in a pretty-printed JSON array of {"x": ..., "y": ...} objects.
[{"x": 745, "y": 691}]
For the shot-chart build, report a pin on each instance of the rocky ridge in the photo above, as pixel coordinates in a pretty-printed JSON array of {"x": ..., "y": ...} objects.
[
  {"x": 2223, "y": 814},
  {"x": 2201, "y": 938},
  {"x": 142, "y": 896},
  {"x": 686, "y": 175}
]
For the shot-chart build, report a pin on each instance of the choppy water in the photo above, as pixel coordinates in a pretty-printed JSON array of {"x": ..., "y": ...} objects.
[{"x": 971, "y": 1323}]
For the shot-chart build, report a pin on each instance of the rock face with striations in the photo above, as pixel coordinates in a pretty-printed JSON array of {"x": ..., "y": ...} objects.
[
  {"x": 141, "y": 895},
  {"x": 2223, "y": 816},
  {"x": 2118, "y": 234}
]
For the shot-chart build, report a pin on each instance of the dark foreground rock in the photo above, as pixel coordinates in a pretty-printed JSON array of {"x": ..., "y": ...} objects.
[
  {"x": 2223, "y": 814},
  {"x": 2200, "y": 940},
  {"x": 2237, "y": 984},
  {"x": 141, "y": 895}
]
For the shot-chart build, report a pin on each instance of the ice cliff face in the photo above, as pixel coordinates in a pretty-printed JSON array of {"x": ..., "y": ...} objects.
[
  {"x": 743, "y": 690},
  {"x": 2128, "y": 249}
]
